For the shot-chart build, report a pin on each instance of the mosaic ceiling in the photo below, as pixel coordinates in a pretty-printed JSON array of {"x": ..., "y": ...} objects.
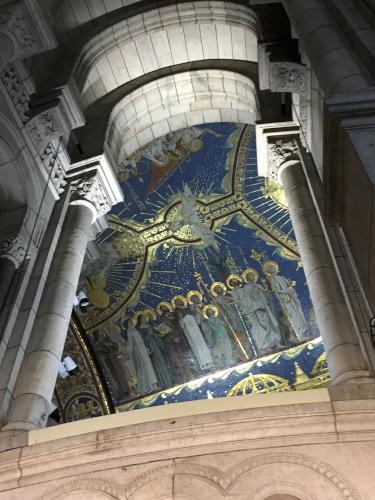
[{"x": 198, "y": 272}]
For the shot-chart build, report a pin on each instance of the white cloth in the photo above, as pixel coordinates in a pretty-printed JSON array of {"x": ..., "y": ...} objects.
[
  {"x": 290, "y": 303},
  {"x": 146, "y": 378},
  {"x": 196, "y": 341},
  {"x": 254, "y": 307}
]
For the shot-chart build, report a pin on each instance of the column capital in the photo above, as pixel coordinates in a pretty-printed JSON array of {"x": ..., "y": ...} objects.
[
  {"x": 94, "y": 184},
  {"x": 277, "y": 147},
  {"x": 14, "y": 249}
]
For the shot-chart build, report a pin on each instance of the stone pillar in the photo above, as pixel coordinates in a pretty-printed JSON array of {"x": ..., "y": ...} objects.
[
  {"x": 345, "y": 360},
  {"x": 336, "y": 68},
  {"x": 13, "y": 252},
  {"x": 35, "y": 385}
]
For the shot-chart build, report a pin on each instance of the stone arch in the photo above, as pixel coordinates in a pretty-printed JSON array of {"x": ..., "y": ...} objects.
[
  {"x": 241, "y": 477},
  {"x": 96, "y": 488},
  {"x": 21, "y": 183},
  {"x": 178, "y": 101},
  {"x": 7, "y": 48},
  {"x": 162, "y": 38}
]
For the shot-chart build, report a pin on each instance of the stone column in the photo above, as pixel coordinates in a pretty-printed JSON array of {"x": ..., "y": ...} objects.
[
  {"x": 345, "y": 360},
  {"x": 13, "y": 252},
  {"x": 336, "y": 68},
  {"x": 35, "y": 385}
]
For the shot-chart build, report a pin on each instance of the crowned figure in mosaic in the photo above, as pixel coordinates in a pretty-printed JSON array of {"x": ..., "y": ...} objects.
[
  {"x": 287, "y": 296},
  {"x": 257, "y": 314},
  {"x": 221, "y": 345},
  {"x": 146, "y": 377},
  {"x": 193, "y": 333}
]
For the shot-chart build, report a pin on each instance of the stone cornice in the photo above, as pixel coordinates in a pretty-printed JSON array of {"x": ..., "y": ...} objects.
[{"x": 175, "y": 437}]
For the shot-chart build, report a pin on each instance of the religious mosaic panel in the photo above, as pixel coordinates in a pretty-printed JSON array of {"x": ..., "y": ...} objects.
[{"x": 198, "y": 278}]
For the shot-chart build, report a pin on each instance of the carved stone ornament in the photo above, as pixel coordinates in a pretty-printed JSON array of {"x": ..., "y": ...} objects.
[
  {"x": 14, "y": 248},
  {"x": 43, "y": 128},
  {"x": 52, "y": 162},
  {"x": 16, "y": 90},
  {"x": 288, "y": 77},
  {"x": 21, "y": 30},
  {"x": 91, "y": 190},
  {"x": 279, "y": 152}
]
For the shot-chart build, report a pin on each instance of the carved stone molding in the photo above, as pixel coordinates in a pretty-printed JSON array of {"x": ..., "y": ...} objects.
[
  {"x": 288, "y": 77},
  {"x": 108, "y": 488},
  {"x": 14, "y": 249},
  {"x": 45, "y": 127},
  {"x": 21, "y": 29},
  {"x": 16, "y": 91},
  {"x": 25, "y": 24},
  {"x": 54, "y": 166},
  {"x": 90, "y": 190}
]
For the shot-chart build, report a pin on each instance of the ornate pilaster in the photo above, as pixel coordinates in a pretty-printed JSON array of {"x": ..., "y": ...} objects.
[
  {"x": 279, "y": 158},
  {"x": 93, "y": 191}
]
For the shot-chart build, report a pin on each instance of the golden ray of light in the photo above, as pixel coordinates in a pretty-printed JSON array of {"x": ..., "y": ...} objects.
[
  {"x": 162, "y": 197},
  {"x": 260, "y": 198},
  {"x": 117, "y": 283},
  {"x": 276, "y": 213},
  {"x": 152, "y": 294},
  {"x": 171, "y": 189},
  {"x": 181, "y": 255},
  {"x": 146, "y": 213},
  {"x": 193, "y": 257},
  {"x": 265, "y": 203},
  {"x": 268, "y": 209},
  {"x": 253, "y": 177},
  {"x": 291, "y": 229},
  {"x": 254, "y": 191},
  {"x": 120, "y": 274},
  {"x": 154, "y": 204},
  {"x": 169, "y": 253},
  {"x": 229, "y": 229},
  {"x": 163, "y": 271},
  {"x": 280, "y": 218},
  {"x": 142, "y": 303},
  {"x": 285, "y": 223},
  {"x": 165, "y": 284},
  {"x": 124, "y": 264},
  {"x": 221, "y": 238}
]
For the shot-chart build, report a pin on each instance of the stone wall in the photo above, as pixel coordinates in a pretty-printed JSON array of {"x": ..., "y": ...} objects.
[{"x": 244, "y": 448}]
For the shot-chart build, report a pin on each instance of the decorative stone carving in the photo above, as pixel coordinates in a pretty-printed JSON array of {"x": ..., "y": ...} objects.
[
  {"x": 54, "y": 167},
  {"x": 16, "y": 90},
  {"x": 43, "y": 128},
  {"x": 288, "y": 77},
  {"x": 18, "y": 25},
  {"x": 14, "y": 248},
  {"x": 279, "y": 152},
  {"x": 90, "y": 189}
]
